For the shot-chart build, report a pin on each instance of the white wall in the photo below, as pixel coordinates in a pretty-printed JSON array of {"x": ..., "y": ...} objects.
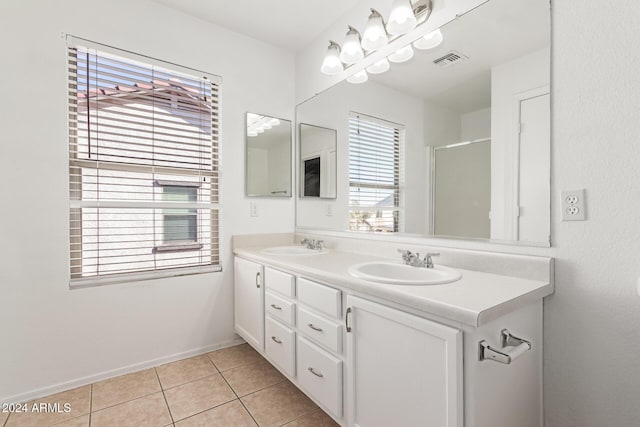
[
  {"x": 441, "y": 125},
  {"x": 52, "y": 335},
  {"x": 475, "y": 125},
  {"x": 331, "y": 110},
  {"x": 592, "y": 323}
]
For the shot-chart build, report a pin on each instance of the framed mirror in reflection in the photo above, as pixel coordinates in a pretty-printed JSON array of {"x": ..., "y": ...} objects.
[
  {"x": 317, "y": 161},
  {"x": 268, "y": 156},
  {"x": 452, "y": 143}
]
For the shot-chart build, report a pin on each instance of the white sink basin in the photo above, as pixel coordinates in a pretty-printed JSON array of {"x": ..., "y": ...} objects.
[
  {"x": 293, "y": 250},
  {"x": 400, "y": 274}
]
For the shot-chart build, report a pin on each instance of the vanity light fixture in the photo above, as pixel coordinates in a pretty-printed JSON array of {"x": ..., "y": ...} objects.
[
  {"x": 375, "y": 35},
  {"x": 402, "y": 19},
  {"x": 379, "y": 67},
  {"x": 405, "y": 16},
  {"x": 331, "y": 64},
  {"x": 359, "y": 77},
  {"x": 351, "y": 49},
  {"x": 401, "y": 55},
  {"x": 429, "y": 41}
]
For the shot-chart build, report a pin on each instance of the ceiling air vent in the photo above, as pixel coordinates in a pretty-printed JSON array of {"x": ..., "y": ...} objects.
[{"x": 451, "y": 58}]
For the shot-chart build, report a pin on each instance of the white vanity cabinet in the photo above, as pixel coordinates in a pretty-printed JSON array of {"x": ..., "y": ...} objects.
[
  {"x": 249, "y": 302},
  {"x": 403, "y": 370},
  {"x": 370, "y": 362}
]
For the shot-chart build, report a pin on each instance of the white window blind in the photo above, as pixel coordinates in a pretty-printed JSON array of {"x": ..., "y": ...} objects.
[
  {"x": 375, "y": 174},
  {"x": 143, "y": 168}
]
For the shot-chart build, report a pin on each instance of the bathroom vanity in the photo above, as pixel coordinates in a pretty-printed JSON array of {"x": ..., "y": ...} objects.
[{"x": 464, "y": 353}]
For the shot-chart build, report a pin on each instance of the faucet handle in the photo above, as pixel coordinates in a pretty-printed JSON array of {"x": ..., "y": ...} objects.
[
  {"x": 427, "y": 259},
  {"x": 407, "y": 255}
]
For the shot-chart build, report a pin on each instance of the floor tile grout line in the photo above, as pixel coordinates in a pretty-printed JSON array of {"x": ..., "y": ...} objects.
[
  {"x": 208, "y": 409},
  {"x": 164, "y": 396},
  {"x": 248, "y": 411},
  {"x": 240, "y": 400},
  {"x": 90, "y": 403},
  {"x": 127, "y": 401}
]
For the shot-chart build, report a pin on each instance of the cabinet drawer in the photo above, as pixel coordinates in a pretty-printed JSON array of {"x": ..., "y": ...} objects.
[
  {"x": 280, "y": 308},
  {"x": 320, "y": 329},
  {"x": 280, "y": 345},
  {"x": 320, "y": 297},
  {"x": 320, "y": 374},
  {"x": 279, "y": 281}
]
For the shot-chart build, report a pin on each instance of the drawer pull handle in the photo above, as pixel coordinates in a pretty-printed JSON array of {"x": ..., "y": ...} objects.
[
  {"x": 315, "y": 328},
  {"x": 258, "y": 279},
  {"x": 276, "y": 340},
  {"x": 317, "y": 374},
  {"x": 277, "y": 307},
  {"x": 346, "y": 319}
]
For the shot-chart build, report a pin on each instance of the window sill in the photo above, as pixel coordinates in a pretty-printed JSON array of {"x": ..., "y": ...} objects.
[{"x": 114, "y": 279}]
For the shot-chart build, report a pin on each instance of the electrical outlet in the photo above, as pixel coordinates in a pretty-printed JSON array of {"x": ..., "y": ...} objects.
[
  {"x": 573, "y": 206},
  {"x": 253, "y": 209}
]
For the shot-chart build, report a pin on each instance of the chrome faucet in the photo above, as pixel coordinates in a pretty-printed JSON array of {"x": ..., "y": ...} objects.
[
  {"x": 409, "y": 258},
  {"x": 312, "y": 244}
]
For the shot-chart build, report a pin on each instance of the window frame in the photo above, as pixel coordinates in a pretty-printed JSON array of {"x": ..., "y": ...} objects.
[{"x": 76, "y": 279}]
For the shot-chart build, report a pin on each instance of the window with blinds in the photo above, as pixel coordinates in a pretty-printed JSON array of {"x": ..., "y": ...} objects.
[
  {"x": 375, "y": 174},
  {"x": 143, "y": 167}
]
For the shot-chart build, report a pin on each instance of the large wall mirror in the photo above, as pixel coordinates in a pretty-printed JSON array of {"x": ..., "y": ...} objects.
[
  {"x": 454, "y": 142},
  {"x": 268, "y": 156}
]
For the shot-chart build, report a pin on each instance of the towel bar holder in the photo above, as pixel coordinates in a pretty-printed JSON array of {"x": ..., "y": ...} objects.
[{"x": 518, "y": 347}]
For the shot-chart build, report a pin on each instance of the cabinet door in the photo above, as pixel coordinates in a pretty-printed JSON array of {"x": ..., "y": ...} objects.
[
  {"x": 403, "y": 370},
  {"x": 249, "y": 302}
]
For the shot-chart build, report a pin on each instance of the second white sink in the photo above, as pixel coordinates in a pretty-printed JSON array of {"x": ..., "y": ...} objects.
[{"x": 400, "y": 274}]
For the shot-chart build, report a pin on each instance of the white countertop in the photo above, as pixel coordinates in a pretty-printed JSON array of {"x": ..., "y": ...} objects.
[{"x": 474, "y": 300}]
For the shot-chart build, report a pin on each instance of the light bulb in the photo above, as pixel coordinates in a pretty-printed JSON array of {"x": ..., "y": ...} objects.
[
  {"x": 359, "y": 77},
  {"x": 259, "y": 130},
  {"x": 375, "y": 35},
  {"x": 379, "y": 67},
  {"x": 274, "y": 122},
  {"x": 266, "y": 125},
  {"x": 401, "y": 55},
  {"x": 331, "y": 63},
  {"x": 429, "y": 41},
  {"x": 351, "y": 49},
  {"x": 401, "y": 20},
  {"x": 252, "y": 133}
]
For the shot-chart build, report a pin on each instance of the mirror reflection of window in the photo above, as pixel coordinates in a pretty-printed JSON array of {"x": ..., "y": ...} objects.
[{"x": 375, "y": 171}]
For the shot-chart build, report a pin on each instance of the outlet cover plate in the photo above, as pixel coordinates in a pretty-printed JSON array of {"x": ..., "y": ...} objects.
[{"x": 573, "y": 205}]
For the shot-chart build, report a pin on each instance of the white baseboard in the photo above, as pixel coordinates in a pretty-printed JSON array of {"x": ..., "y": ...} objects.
[{"x": 68, "y": 385}]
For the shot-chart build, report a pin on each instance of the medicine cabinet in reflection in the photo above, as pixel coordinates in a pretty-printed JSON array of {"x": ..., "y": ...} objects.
[
  {"x": 268, "y": 156},
  {"x": 317, "y": 161}
]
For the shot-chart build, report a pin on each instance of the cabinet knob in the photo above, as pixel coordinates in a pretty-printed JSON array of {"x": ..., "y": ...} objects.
[{"x": 258, "y": 279}]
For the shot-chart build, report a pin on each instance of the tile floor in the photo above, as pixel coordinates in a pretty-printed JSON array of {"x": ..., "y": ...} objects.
[{"x": 232, "y": 387}]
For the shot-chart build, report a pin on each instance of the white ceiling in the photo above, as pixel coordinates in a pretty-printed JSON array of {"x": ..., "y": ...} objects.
[{"x": 290, "y": 24}]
